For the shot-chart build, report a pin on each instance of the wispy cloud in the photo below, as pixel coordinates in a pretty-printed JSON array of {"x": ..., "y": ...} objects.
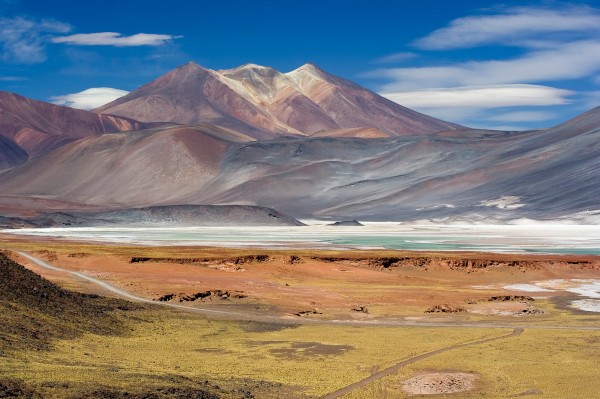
[
  {"x": 496, "y": 119},
  {"x": 12, "y": 78},
  {"x": 523, "y": 116},
  {"x": 558, "y": 43},
  {"x": 395, "y": 57},
  {"x": 23, "y": 41},
  {"x": 521, "y": 26},
  {"x": 90, "y": 98},
  {"x": 569, "y": 61},
  {"x": 115, "y": 39},
  {"x": 481, "y": 96}
]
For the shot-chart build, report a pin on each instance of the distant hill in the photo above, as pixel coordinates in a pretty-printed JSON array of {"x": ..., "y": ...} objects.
[{"x": 30, "y": 128}]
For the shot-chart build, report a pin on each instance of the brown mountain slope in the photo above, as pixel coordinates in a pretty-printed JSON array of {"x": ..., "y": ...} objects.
[
  {"x": 339, "y": 171},
  {"x": 36, "y": 127},
  {"x": 352, "y": 106},
  {"x": 263, "y": 103},
  {"x": 146, "y": 167},
  {"x": 547, "y": 174}
]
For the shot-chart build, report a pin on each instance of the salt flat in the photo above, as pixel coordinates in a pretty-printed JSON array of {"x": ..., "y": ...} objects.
[{"x": 535, "y": 237}]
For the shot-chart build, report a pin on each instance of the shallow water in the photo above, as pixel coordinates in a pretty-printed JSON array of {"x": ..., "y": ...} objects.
[{"x": 571, "y": 239}]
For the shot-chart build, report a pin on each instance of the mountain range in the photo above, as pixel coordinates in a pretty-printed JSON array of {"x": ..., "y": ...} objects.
[{"x": 306, "y": 143}]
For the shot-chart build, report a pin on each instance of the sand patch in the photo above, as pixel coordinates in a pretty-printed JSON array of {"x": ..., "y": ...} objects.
[{"x": 439, "y": 383}]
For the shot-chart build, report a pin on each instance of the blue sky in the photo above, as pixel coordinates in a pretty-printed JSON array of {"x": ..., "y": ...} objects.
[{"x": 513, "y": 65}]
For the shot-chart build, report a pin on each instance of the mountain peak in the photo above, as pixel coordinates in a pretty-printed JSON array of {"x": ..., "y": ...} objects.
[
  {"x": 310, "y": 68},
  {"x": 191, "y": 66}
]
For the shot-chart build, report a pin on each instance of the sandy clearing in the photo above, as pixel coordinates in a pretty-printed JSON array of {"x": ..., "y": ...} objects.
[{"x": 439, "y": 383}]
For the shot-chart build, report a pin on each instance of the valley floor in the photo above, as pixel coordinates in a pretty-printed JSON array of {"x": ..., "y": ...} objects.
[{"x": 315, "y": 323}]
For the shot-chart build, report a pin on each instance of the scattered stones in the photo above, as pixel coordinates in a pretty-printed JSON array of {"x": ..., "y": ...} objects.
[
  {"x": 510, "y": 298},
  {"x": 196, "y": 296},
  {"x": 445, "y": 308},
  {"x": 78, "y": 255},
  {"x": 210, "y": 294},
  {"x": 166, "y": 298},
  {"x": 530, "y": 311},
  {"x": 250, "y": 258},
  {"x": 140, "y": 260},
  {"x": 307, "y": 313},
  {"x": 203, "y": 261},
  {"x": 293, "y": 259},
  {"x": 246, "y": 394}
]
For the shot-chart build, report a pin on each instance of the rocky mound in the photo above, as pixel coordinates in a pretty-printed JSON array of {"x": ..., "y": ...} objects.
[
  {"x": 170, "y": 215},
  {"x": 35, "y": 311},
  {"x": 198, "y": 215},
  {"x": 346, "y": 223}
]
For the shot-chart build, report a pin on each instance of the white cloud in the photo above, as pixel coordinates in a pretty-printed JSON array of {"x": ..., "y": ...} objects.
[
  {"x": 90, "y": 98},
  {"x": 23, "y": 41},
  {"x": 115, "y": 39},
  {"x": 569, "y": 61},
  {"x": 481, "y": 96},
  {"x": 559, "y": 43},
  {"x": 514, "y": 26},
  {"x": 494, "y": 118},
  {"x": 395, "y": 57}
]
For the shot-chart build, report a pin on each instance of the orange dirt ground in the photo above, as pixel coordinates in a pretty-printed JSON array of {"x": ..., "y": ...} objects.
[{"x": 322, "y": 284}]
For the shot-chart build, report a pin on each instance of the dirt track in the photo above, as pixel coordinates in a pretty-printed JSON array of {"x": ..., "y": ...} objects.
[{"x": 393, "y": 369}]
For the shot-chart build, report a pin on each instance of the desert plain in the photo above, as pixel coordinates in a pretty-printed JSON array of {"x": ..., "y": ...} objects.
[{"x": 179, "y": 321}]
